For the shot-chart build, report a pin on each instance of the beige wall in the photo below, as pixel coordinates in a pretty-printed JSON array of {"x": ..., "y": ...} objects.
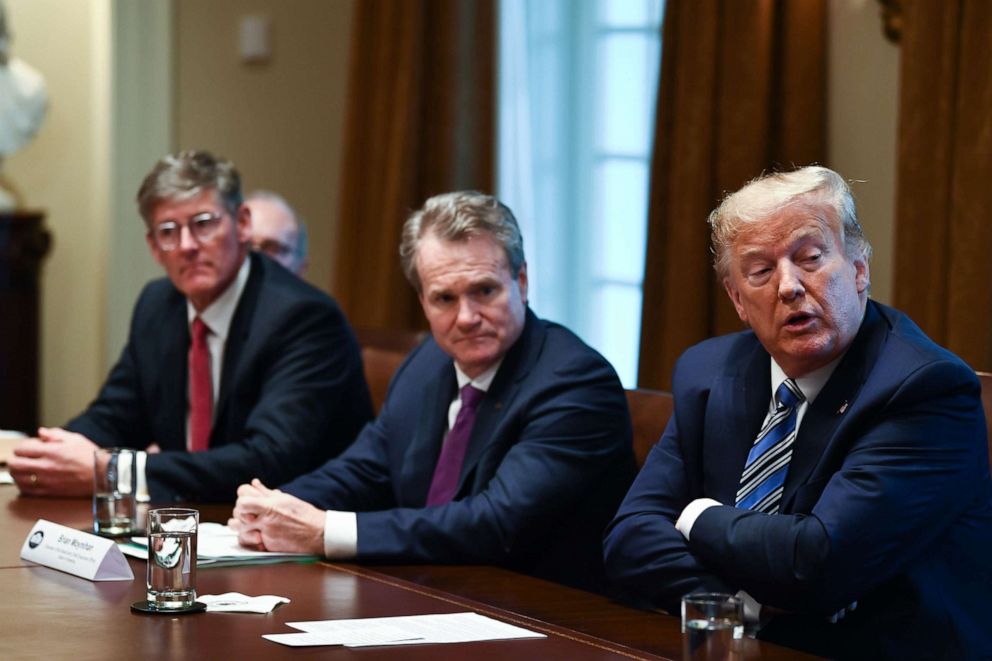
[
  {"x": 280, "y": 122},
  {"x": 130, "y": 80},
  {"x": 65, "y": 173},
  {"x": 863, "y": 113}
]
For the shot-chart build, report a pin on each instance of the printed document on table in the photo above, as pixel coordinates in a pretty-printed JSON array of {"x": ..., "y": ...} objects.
[
  {"x": 8, "y": 439},
  {"x": 217, "y": 545},
  {"x": 403, "y": 630}
]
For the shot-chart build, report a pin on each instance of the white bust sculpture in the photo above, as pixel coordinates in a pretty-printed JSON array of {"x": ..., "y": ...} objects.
[{"x": 23, "y": 102}]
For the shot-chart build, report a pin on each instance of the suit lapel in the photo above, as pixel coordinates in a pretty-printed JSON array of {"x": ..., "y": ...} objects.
[
  {"x": 421, "y": 457},
  {"x": 516, "y": 365},
  {"x": 237, "y": 339},
  {"x": 838, "y": 395},
  {"x": 736, "y": 408},
  {"x": 173, "y": 371}
]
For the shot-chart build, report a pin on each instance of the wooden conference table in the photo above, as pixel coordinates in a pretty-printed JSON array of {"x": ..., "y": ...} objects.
[{"x": 48, "y": 614}]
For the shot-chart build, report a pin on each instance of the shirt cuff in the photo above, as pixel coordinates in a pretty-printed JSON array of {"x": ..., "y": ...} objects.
[
  {"x": 691, "y": 513},
  {"x": 340, "y": 535},
  {"x": 141, "y": 490},
  {"x": 752, "y": 612}
]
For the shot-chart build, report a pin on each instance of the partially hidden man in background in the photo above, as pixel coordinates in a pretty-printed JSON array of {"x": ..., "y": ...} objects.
[
  {"x": 277, "y": 230},
  {"x": 234, "y": 367},
  {"x": 503, "y": 439},
  {"x": 830, "y": 462}
]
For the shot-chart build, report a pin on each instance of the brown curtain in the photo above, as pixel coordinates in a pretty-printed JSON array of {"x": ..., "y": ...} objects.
[
  {"x": 420, "y": 121},
  {"x": 943, "y": 268},
  {"x": 743, "y": 87}
]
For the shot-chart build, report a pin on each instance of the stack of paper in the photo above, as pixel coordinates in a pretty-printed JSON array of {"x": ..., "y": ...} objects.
[
  {"x": 217, "y": 546},
  {"x": 8, "y": 439},
  {"x": 406, "y": 630}
]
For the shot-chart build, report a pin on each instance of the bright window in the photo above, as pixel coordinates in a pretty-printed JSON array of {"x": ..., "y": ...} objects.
[{"x": 577, "y": 85}]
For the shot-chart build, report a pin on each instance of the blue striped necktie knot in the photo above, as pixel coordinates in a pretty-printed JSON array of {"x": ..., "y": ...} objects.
[{"x": 768, "y": 461}]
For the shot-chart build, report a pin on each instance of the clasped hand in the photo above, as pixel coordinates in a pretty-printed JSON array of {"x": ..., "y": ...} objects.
[
  {"x": 55, "y": 463},
  {"x": 270, "y": 520}
]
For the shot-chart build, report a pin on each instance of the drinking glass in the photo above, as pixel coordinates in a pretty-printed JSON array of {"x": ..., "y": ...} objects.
[
  {"x": 114, "y": 486},
  {"x": 172, "y": 558},
  {"x": 712, "y": 626}
]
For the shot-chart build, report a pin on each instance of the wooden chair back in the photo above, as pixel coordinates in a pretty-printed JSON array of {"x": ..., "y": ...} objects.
[
  {"x": 649, "y": 413},
  {"x": 986, "y": 379},
  {"x": 382, "y": 353}
]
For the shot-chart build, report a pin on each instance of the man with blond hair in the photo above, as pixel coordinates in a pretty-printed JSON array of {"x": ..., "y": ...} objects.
[{"x": 829, "y": 465}]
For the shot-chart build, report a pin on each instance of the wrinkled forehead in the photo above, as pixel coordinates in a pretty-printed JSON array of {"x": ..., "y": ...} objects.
[
  {"x": 795, "y": 222},
  {"x": 478, "y": 254},
  {"x": 178, "y": 207}
]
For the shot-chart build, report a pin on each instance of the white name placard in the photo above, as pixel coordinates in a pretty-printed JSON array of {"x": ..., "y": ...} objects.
[{"x": 75, "y": 552}]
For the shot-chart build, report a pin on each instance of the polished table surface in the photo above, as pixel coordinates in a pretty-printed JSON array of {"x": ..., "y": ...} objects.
[{"x": 45, "y": 613}]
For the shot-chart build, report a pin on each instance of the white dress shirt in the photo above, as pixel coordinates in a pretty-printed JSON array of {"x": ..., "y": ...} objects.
[
  {"x": 810, "y": 385},
  {"x": 217, "y": 317},
  {"x": 341, "y": 528}
]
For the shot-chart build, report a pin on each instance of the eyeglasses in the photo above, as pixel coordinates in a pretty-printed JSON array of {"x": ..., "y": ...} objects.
[
  {"x": 202, "y": 227},
  {"x": 273, "y": 248}
]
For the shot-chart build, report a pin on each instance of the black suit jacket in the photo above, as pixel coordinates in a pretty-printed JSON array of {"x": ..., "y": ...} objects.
[
  {"x": 292, "y": 391},
  {"x": 549, "y": 459},
  {"x": 887, "y": 501}
]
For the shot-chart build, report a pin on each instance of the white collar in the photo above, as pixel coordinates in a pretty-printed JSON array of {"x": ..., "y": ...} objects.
[
  {"x": 218, "y": 315},
  {"x": 811, "y": 384},
  {"x": 482, "y": 382}
]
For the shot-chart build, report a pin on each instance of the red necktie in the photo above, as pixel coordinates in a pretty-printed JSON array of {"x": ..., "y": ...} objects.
[
  {"x": 449, "y": 464},
  {"x": 201, "y": 395}
]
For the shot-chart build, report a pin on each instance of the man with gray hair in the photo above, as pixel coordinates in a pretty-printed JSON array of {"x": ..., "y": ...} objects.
[
  {"x": 503, "y": 440},
  {"x": 277, "y": 231},
  {"x": 829, "y": 465},
  {"x": 234, "y": 368}
]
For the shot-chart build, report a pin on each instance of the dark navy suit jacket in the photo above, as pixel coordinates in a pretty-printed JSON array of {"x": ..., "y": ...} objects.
[
  {"x": 548, "y": 461},
  {"x": 292, "y": 390},
  {"x": 887, "y": 501}
]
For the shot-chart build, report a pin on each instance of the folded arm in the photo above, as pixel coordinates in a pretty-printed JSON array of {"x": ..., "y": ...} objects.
[{"x": 918, "y": 462}]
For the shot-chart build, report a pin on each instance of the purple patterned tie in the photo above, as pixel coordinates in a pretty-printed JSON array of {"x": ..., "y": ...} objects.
[{"x": 449, "y": 464}]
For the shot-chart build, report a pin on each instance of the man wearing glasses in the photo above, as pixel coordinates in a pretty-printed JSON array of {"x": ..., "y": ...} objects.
[
  {"x": 276, "y": 230},
  {"x": 234, "y": 367}
]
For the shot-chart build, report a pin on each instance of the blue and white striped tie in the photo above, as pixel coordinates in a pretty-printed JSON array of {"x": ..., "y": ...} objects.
[{"x": 768, "y": 460}]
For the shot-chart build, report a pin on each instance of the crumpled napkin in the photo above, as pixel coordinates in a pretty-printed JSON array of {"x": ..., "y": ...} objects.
[{"x": 235, "y": 602}]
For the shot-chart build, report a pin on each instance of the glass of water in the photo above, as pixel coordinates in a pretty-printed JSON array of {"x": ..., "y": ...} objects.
[
  {"x": 114, "y": 486},
  {"x": 172, "y": 558},
  {"x": 712, "y": 626}
]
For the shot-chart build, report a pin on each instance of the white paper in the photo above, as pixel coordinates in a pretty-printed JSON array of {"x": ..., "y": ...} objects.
[
  {"x": 75, "y": 552},
  {"x": 404, "y": 630},
  {"x": 217, "y": 545},
  {"x": 8, "y": 440},
  {"x": 235, "y": 602},
  {"x": 5, "y": 477}
]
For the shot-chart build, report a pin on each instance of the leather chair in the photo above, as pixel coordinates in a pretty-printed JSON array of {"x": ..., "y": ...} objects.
[
  {"x": 986, "y": 379},
  {"x": 382, "y": 353},
  {"x": 649, "y": 413}
]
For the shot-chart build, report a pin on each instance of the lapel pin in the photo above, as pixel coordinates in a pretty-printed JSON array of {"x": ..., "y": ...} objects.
[{"x": 843, "y": 407}]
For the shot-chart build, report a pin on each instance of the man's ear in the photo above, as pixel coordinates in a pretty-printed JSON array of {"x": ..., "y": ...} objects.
[
  {"x": 735, "y": 298},
  {"x": 153, "y": 247},
  {"x": 243, "y": 222},
  {"x": 522, "y": 282},
  {"x": 862, "y": 275}
]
